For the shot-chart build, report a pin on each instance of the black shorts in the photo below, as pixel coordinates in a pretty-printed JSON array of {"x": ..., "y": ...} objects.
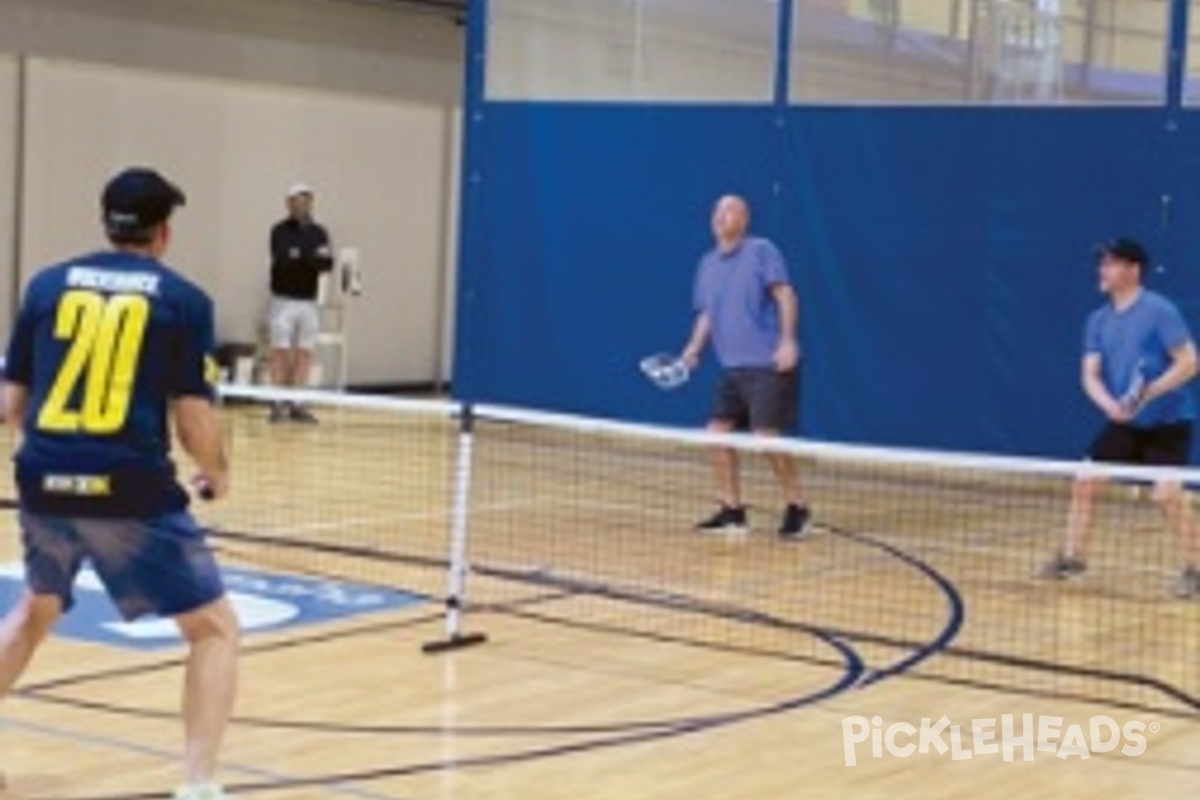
[
  {"x": 1167, "y": 445},
  {"x": 758, "y": 399}
]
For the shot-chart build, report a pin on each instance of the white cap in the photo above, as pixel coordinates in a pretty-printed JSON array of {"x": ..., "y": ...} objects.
[{"x": 298, "y": 189}]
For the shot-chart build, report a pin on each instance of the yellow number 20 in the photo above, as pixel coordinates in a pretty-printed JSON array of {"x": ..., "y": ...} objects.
[{"x": 105, "y": 337}]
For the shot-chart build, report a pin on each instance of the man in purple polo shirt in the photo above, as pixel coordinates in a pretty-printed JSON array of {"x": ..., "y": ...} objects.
[{"x": 745, "y": 304}]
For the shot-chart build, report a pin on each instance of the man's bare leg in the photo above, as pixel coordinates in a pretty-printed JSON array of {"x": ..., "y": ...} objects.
[
  {"x": 281, "y": 366},
  {"x": 1080, "y": 518},
  {"x": 796, "y": 517},
  {"x": 301, "y": 367},
  {"x": 784, "y": 467},
  {"x": 210, "y": 686},
  {"x": 1177, "y": 511},
  {"x": 22, "y": 630},
  {"x": 1072, "y": 559},
  {"x": 726, "y": 477}
]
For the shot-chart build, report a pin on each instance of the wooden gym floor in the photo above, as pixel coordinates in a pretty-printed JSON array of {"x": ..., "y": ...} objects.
[{"x": 629, "y": 658}]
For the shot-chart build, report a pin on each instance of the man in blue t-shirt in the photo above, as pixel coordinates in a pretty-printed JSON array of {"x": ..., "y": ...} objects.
[
  {"x": 106, "y": 347},
  {"x": 745, "y": 304},
  {"x": 1138, "y": 357}
]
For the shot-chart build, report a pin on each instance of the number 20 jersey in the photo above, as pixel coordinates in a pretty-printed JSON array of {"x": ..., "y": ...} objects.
[{"x": 103, "y": 343}]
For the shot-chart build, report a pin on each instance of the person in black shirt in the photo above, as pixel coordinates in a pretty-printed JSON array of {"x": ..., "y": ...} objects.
[{"x": 300, "y": 253}]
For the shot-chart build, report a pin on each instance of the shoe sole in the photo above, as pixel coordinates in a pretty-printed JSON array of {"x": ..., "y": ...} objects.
[
  {"x": 1061, "y": 576},
  {"x": 794, "y": 536},
  {"x": 728, "y": 530}
]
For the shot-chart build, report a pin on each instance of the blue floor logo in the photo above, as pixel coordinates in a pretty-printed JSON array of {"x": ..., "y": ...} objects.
[{"x": 263, "y": 602}]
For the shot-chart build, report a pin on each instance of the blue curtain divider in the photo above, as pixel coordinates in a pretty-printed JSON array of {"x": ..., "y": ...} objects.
[{"x": 943, "y": 255}]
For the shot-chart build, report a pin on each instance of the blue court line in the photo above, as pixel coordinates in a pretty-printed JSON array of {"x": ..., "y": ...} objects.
[
  {"x": 956, "y": 607},
  {"x": 114, "y": 743}
]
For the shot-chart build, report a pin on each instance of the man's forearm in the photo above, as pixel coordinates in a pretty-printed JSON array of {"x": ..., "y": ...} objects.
[
  {"x": 1094, "y": 388},
  {"x": 16, "y": 401},
  {"x": 700, "y": 333},
  {"x": 200, "y": 434},
  {"x": 1180, "y": 372},
  {"x": 789, "y": 313}
]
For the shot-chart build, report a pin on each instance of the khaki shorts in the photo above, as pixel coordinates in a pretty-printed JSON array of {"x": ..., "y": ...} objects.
[{"x": 293, "y": 323}]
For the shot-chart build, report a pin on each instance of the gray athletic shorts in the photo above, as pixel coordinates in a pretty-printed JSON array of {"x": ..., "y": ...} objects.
[
  {"x": 293, "y": 323},
  {"x": 758, "y": 399}
]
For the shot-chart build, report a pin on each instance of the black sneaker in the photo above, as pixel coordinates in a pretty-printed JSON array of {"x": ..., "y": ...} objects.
[
  {"x": 1063, "y": 567},
  {"x": 1188, "y": 585},
  {"x": 303, "y": 415},
  {"x": 279, "y": 413},
  {"x": 796, "y": 522},
  {"x": 727, "y": 519}
]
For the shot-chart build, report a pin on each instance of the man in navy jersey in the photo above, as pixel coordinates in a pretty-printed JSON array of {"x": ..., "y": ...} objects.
[{"x": 106, "y": 347}]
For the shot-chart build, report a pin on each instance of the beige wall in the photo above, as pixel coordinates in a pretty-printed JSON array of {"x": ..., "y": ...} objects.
[
  {"x": 236, "y": 99},
  {"x": 450, "y": 285},
  {"x": 345, "y": 47},
  {"x": 234, "y": 147},
  {"x": 9, "y": 81}
]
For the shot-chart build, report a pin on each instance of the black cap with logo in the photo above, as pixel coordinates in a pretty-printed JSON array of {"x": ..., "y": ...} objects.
[
  {"x": 1124, "y": 249},
  {"x": 138, "y": 199}
]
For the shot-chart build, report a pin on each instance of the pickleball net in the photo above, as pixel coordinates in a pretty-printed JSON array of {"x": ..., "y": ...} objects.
[
  {"x": 923, "y": 564},
  {"x": 919, "y": 565}
]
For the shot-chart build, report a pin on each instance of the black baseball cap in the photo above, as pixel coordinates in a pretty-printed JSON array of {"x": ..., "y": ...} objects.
[
  {"x": 137, "y": 199},
  {"x": 1130, "y": 250}
]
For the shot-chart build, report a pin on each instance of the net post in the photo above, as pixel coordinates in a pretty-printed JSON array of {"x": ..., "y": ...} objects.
[{"x": 456, "y": 576}]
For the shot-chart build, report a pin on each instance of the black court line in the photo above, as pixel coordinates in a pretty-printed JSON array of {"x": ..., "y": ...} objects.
[
  {"x": 862, "y": 636},
  {"x": 854, "y": 663},
  {"x": 771, "y": 654},
  {"x": 852, "y": 676},
  {"x": 274, "y": 541},
  {"x": 921, "y": 650},
  {"x": 683, "y": 603},
  {"x": 1116, "y": 676},
  {"x": 1130, "y": 678},
  {"x": 310, "y": 726},
  {"x": 288, "y": 643},
  {"x": 516, "y": 610},
  {"x": 279, "y": 541},
  {"x": 956, "y": 610},
  {"x": 43, "y": 692},
  {"x": 689, "y": 605},
  {"x": 267, "y": 647}
]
